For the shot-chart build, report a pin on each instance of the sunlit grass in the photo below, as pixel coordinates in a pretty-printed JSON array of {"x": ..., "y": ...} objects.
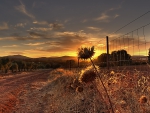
[{"x": 63, "y": 92}]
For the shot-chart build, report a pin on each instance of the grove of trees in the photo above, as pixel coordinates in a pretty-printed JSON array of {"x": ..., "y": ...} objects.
[
  {"x": 120, "y": 57},
  {"x": 7, "y": 64},
  {"x": 19, "y": 65}
]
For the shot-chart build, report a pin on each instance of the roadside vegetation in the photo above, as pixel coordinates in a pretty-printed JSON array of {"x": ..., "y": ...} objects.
[
  {"x": 95, "y": 90},
  {"x": 84, "y": 85}
]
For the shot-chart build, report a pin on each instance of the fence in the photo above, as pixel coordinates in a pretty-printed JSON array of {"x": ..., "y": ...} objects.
[
  {"x": 126, "y": 83},
  {"x": 130, "y": 49}
]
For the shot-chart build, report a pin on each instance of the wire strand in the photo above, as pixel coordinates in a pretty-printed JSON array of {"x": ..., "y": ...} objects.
[{"x": 130, "y": 22}]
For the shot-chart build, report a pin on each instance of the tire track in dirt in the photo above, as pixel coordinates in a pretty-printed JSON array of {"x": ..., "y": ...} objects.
[
  {"x": 13, "y": 76},
  {"x": 20, "y": 76},
  {"x": 10, "y": 88},
  {"x": 9, "y": 84}
]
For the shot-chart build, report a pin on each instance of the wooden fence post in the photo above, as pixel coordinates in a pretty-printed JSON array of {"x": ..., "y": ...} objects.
[{"x": 107, "y": 43}]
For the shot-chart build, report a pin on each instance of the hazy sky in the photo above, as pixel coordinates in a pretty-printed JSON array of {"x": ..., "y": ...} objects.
[{"x": 44, "y": 28}]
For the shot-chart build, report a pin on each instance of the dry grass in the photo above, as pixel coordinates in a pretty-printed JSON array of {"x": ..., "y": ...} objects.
[
  {"x": 63, "y": 93},
  {"x": 125, "y": 90},
  {"x": 129, "y": 93}
]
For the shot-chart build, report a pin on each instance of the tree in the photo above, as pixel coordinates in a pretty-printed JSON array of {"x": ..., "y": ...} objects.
[
  {"x": 102, "y": 59},
  {"x": 29, "y": 66},
  {"x": 113, "y": 56},
  {"x": 21, "y": 65},
  {"x": 6, "y": 64},
  {"x": 34, "y": 65},
  {"x": 14, "y": 67},
  {"x": 120, "y": 57},
  {"x": 48, "y": 65}
]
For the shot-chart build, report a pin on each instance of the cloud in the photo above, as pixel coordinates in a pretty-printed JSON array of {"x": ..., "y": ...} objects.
[
  {"x": 60, "y": 42},
  {"x": 10, "y": 46},
  {"x": 103, "y": 18},
  {"x": 41, "y": 29},
  {"x": 106, "y": 16},
  {"x": 115, "y": 35},
  {"x": 4, "y": 26},
  {"x": 21, "y": 25},
  {"x": 40, "y": 22},
  {"x": 56, "y": 41},
  {"x": 67, "y": 20},
  {"x": 15, "y": 53},
  {"x": 35, "y": 34},
  {"x": 56, "y": 26},
  {"x": 34, "y": 44},
  {"x": 115, "y": 16},
  {"x": 113, "y": 8},
  {"x": 84, "y": 21},
  {"x": 57, "y": 49},
  {"x": 94, "y": 28},
  {"x": 47, "y": 43},
  {"x": 16, "y": 37},
  {"x": 67, "y": 41},
  {"x": 30, "y": 36},
  {"x": 8, "y": 38},
  {"x": 51, "y": 26},
  {"x": 21, "y": 8}
]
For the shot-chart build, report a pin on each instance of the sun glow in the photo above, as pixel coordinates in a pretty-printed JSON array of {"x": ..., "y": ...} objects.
[{"x": 98, "y": 52}]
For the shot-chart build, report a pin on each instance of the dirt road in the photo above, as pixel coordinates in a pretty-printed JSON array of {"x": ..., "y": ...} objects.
[{"x": 14, "y": 86}]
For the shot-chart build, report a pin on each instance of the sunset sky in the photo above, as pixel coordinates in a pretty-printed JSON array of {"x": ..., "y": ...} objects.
[{"x": 45, "y": 28}]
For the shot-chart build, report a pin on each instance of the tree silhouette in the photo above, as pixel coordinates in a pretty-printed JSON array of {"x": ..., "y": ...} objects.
[
  {"x": 120, "y": 57},
  {"x": 29, "y": 66},
  {"x": 14, "y": 67},
  {"x": 21, "y": 65},
  {"x": 5, "y": 64},
  {"x": 102, "y": 59}
]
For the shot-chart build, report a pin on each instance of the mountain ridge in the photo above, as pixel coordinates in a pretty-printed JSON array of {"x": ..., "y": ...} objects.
[{"x": 51, "y": 58}]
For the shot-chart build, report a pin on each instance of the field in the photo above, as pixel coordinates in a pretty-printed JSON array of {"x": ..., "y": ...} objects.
[{"x": 60, "y": 91}]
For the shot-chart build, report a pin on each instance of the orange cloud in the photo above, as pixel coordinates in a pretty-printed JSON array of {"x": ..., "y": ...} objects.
[{"x": 11, "y": 46}]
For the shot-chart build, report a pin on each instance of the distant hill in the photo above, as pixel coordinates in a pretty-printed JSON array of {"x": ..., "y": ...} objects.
[
  {"x": 42, "y": 58},
  {"x": 58, "y": 58},
  {"x": 16, "y": 57},
  {"x": 67, "y": 58}
]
